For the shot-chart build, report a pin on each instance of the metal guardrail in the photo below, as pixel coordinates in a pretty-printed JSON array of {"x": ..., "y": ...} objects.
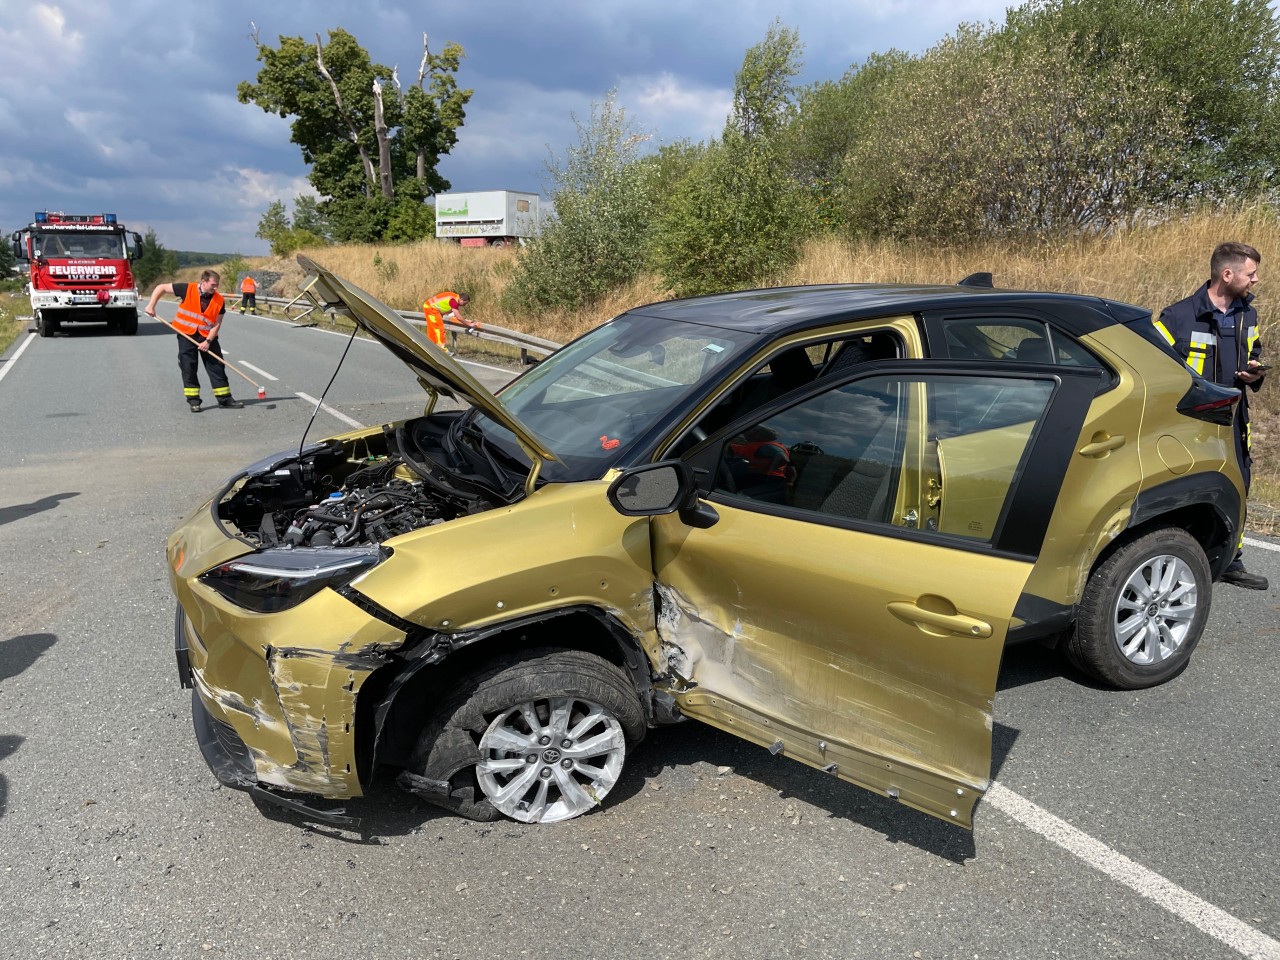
[{"x": 300, "y": 308}]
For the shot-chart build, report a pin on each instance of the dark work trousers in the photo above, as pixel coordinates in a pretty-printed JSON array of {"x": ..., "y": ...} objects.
[
  {"x": 189, "y": 358},
  {"x": 249, "y": 301}
]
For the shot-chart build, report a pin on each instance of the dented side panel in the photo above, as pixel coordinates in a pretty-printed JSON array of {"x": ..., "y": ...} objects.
[
  {"x": 793, "y": 639},
  {"x": 562, "y": 547}
]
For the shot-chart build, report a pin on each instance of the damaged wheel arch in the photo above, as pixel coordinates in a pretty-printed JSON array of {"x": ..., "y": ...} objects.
[{"x": 409, "y": 691}]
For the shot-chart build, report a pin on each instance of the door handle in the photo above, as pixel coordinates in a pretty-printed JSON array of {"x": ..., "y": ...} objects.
[
  {"x": 950, "y": 622},
  {"x": 1102, "y": 444}
]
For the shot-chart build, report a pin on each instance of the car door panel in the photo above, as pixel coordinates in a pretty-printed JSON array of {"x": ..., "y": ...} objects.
[
  {"x": 868, "y": 644},
  {"x": 787, "y": 646}
]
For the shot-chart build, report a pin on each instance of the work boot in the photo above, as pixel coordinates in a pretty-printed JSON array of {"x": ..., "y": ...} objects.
[
  {"x": 194, "y": 404},
  {"x": 1238, "y": 576},
  {"x": 230, "y": 402}
]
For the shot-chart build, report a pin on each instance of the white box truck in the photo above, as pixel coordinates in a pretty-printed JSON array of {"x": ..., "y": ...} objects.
[{"x": 493, "y": 218}]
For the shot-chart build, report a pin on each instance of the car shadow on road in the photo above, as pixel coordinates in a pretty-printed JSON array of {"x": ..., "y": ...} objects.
[
  {"x": 16, "y": 655},
  {"x": 687, "y": 757},
  {"x": 73, "y": 330},
  {"x": 19, "y": 510},
  {"x": 690, "y": 752}
]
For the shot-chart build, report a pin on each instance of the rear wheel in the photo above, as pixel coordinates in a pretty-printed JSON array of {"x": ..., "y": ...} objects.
[
  {"x": 540, "y": 737},
  {"x": 128, "y": 322},
  {"x": 44, "y": 326},
  {"x": 1143, "y": 611}
]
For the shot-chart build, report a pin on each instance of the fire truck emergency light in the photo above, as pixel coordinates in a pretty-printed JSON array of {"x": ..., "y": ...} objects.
[{"x": 42, "y": 216}]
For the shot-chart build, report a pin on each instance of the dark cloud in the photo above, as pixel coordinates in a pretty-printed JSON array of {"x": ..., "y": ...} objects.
[{"x": 131, "y": 108}]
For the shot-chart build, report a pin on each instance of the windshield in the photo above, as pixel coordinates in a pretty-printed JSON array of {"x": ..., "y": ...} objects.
[
  {"x": 589, "y": 401},
  {"x": 74, "y": 245}
]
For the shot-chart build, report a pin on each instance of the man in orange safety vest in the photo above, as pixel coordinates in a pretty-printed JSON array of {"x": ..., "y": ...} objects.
[
  {"x": 249, "y": 295},
  {"x": 199, "y": 317},
  {"x": 446, "y": 305}
]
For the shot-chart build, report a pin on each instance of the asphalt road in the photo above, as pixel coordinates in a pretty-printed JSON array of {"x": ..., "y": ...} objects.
[{"x": 1135, "y": 825}]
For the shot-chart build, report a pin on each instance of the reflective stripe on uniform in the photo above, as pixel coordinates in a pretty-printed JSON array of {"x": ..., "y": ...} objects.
[
  {"x": 1165, "y": 332},
  {"x": 1206, "y": 339}
]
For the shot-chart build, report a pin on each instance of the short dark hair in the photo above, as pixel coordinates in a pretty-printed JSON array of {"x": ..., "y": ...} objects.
[
  {"x": 464, "y": 297},
  {"x": 209, "y": 275},
  {"x": 1231, "y": 254}
]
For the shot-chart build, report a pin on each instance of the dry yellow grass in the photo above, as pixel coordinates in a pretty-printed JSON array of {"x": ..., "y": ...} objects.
[{"x": 1150, "y": 266}]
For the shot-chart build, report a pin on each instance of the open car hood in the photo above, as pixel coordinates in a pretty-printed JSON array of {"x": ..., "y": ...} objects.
[{"x": 436, "y": 370}]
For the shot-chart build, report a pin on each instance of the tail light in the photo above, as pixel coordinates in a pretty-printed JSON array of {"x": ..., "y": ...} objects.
[{"x": 1210, "y": 402}]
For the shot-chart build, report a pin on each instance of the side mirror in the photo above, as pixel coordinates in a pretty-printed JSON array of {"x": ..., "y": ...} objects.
[
  {"x": 136, "y": 252},
  {"x": 655, "y": 489},
  {"x": 19, "y": 248}
]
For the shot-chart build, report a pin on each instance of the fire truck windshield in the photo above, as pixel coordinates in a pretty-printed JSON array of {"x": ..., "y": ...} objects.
[{"x": 73, "y": 245}]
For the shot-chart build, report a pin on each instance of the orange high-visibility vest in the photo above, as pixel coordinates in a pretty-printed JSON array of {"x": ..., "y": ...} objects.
[
  {"x": 248, "y": 285},
  {"x": 191, "y": 319},
  {"x": 435, "y": 323}
]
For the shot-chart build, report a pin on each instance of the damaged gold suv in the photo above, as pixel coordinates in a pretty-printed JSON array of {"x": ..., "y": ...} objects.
[{"x": 812, "y": 517}]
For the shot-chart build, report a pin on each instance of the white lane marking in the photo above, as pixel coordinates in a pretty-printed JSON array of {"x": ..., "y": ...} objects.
[
  {"x": 1183, "y": 904},
  {"x": 8, "y": 364},
  {"x": 258, "y": 370},
  {"x": 1261, "y": 543},
  {"x": 332, "y": 412}
]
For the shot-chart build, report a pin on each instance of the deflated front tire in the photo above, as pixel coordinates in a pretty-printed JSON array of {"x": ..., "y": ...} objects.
[{"x": 539, "y": 737}]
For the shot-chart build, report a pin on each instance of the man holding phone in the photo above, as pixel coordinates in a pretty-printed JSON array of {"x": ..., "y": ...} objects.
[{"x": 1215, "y": 330}]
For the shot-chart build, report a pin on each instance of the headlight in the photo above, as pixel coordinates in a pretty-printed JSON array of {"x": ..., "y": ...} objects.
[{"x": 279, "y": 579}]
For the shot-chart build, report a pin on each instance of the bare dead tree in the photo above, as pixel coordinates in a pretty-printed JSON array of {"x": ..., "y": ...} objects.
[
  {"x": 384, "y": 142},
  {"x": 422, "y": 78},
  {"x": 346, "y": 118}
]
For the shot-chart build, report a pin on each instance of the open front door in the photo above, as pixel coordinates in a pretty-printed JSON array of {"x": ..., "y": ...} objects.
[{"x": 849, "y": 607}]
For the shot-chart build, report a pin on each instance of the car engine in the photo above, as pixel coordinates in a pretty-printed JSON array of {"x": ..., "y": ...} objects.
[{"x": 354, "y": 493}]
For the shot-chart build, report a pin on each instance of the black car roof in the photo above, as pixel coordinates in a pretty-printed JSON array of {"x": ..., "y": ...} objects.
[{"x": 779, "y": 310}]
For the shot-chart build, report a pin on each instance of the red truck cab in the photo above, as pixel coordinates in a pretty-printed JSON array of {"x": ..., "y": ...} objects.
[{"x": 79, "y": 270}]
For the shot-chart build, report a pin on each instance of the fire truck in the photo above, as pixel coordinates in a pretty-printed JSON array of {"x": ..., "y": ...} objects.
[{"x": 79, "y": 270}]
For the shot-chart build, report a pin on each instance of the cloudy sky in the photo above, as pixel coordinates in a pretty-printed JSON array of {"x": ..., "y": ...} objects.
[{"x": 131, "y": 108}]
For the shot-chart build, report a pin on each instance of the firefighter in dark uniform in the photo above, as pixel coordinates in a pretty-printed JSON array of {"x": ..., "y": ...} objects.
[
  {"x": 1215, "y": 330},
  {"x": 200, "y": 312}
]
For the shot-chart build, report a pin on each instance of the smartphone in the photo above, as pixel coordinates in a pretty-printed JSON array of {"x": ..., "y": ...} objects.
[{"x": 1257, "y": 368}]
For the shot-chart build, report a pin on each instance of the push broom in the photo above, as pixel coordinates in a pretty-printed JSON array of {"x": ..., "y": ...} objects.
[{"x": 262, "y": 391}]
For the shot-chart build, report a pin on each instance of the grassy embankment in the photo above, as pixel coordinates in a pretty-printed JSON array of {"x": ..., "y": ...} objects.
[
  {"x": 12, "y": 305},
  {"x": 1151, "y": 266}
]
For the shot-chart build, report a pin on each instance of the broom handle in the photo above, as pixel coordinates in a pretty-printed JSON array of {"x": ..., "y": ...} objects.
[{"x": 225, "y": 362}]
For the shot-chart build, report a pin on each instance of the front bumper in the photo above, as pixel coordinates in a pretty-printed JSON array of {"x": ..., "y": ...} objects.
[
  {"x": 228, "y": 758},
  {"x": 227, "y": 754}
]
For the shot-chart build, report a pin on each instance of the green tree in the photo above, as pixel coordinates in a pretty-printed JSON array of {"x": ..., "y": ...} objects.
[
  {"x": 732, "y": 221},
  {"x": 232, "y": 269},
  {"x": 602, "y": 215},
  {"x": 274, "y": 227},
  {"x": 830, "y": 119},
  {"x": 307, "y": 216},
  {"x": 763, "y": 95},
  {"x": 360, "y": 133},
  {"x": 1029, "y": 140},
  {"x": 1219, "y": 59},
  {"x": 6, "y": 261},
  {"x": 285, "y": 235},
  {"x": 155, "y": 263},
  {"x": 735, "y": 218}
]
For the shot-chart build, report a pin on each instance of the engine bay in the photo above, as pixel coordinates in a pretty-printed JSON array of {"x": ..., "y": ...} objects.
[{"x": 370, "y": 489}]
